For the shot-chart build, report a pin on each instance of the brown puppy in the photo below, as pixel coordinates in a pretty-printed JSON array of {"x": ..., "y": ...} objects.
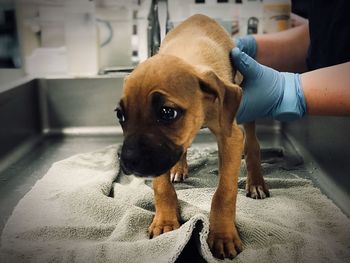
[{"x": 166, "y": 100}]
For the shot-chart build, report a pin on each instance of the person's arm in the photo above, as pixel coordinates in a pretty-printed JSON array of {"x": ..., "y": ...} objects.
[
  {"x": 289, "y": 96},
  {"x": 327, "y": 90},
  {"x": 283, "y": 51},
  {"x": 286, "y": 50}
]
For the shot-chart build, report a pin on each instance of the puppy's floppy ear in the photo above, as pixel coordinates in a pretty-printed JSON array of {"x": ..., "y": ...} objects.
[{"x": 228, "y": 95}]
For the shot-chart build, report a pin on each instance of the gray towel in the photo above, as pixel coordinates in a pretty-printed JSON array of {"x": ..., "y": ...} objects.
[{"x": 82, "y": 210}]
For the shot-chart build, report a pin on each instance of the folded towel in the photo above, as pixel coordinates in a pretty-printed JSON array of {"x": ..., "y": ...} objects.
[{"x": 84, "y": 210}]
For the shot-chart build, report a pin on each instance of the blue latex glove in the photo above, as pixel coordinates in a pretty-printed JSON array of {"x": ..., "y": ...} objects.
[
  {"x": 247, "y": 44},
  {"x": 267, "y": 92}
]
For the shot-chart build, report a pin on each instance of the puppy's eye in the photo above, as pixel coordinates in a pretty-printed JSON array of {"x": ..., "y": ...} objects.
[
  {"x": 168, "y": 114},
  {"x": 120, "y": 115}
]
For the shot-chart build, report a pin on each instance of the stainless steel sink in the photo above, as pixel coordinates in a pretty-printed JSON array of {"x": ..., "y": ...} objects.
[{"x": 46, "y": 120}]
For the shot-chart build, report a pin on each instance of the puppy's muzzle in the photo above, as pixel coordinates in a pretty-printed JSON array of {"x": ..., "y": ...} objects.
[{"x": 148, "y": 155}]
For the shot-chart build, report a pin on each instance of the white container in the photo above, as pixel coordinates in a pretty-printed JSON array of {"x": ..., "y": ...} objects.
[
  {"x": 115, "y": 31},
  {"x": 81, "y": 37},
  {"x": 51, "y": 26},
  {"x": 43, "y": 62}
]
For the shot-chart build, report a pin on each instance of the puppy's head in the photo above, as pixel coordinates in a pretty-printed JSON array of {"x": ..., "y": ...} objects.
[{"x": 165, "y": 102}]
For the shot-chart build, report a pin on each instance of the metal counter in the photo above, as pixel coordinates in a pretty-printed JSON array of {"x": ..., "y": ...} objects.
[{"x": 47, "y": 120}]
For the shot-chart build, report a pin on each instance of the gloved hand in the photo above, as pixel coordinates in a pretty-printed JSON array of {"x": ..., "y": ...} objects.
[
  {"x": 247, "y": 44},
  {"x": 267, "y": 92}
]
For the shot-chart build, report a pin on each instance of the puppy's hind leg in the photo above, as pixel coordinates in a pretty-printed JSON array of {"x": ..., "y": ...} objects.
[
  {"x": 179, "y": 172},
  {"x": 255, "y": 186}
]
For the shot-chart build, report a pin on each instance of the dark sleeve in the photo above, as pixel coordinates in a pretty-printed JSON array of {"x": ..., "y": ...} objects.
[{"x": 329, "y": 23}]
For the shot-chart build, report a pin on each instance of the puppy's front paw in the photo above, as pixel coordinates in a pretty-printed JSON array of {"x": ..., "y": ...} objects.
[
  {"x": 179, "y": 172},
  {"x": 257, "y": 191},
  {"x": 225, "y": 245},
  {"x": 162, "y": 225}
]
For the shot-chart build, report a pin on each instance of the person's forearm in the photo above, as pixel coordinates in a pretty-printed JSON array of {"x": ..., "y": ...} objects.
[
  {"x": 286, "y": 50},
  {"x": 327, "y": 90}
]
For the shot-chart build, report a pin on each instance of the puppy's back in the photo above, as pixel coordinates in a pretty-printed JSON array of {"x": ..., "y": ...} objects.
[{"x": 200, "y": 40}]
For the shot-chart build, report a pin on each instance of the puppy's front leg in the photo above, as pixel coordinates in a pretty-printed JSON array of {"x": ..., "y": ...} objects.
[
  {"x": 166, "y": 217},
  {"x": 224, "y": 240}
]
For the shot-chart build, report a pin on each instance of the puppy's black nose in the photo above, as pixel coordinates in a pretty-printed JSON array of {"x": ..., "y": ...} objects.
[
  {"x": 129, "y": 159},
  {"x": 148, "y": 155}
]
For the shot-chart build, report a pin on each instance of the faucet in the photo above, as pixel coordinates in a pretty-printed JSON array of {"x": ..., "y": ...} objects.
[{"x": 153, "y": 30}]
